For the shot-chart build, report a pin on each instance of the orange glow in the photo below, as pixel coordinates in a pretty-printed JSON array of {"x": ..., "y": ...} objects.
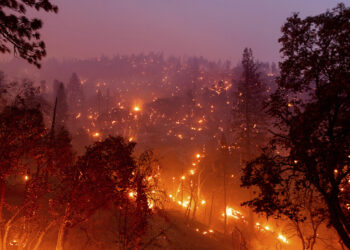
[
  {"x": 96, "y": 134},
  {"x": 137, "y": 108},
  {"x": 230, "y": 212},
  {"x": 282, "y": 238}
]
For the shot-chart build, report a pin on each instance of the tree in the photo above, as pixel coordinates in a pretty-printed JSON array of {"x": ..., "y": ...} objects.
[
  {"x": 62, "y": 106},
  {"x": 75, "y": 94},
  {"x": 104, "y": 175},
  {"x": 310, "y": 149},
  {"x": 18, "y": 30},
  {"x": 249, "y": 118},
  {"x": 21, "y": 133}
]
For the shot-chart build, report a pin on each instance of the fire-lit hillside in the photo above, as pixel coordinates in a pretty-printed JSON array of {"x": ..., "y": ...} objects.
[{"x": 200, "y": 145}]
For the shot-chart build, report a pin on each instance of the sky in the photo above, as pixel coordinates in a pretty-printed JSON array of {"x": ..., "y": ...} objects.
[{"x": 215, "y": 29}]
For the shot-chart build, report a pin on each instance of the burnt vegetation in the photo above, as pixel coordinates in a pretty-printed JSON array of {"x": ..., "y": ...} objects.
[{"x": 152, "y": 152}]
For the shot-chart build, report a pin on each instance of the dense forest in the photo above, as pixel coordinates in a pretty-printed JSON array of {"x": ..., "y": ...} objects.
[{"x": 148, "y": 151}]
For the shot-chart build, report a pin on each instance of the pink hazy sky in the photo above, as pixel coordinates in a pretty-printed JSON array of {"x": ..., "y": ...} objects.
[{"x": 211, "y": 28}]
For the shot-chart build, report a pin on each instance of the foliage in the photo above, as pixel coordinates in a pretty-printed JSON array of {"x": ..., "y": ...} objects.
[
  {"x": 44, "y": 186},
  {"x": 18, "y": 30},
  {"x": 248, "y": 116},
  {"x": 310, "y": 149}
]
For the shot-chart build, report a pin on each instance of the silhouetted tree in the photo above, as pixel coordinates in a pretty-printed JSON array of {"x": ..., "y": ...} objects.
[
  {"x": 75, "y": 94},
  {"x": 102, "y": 176},
  {"x": 248, "y": 116},
  {"x": 17, "y": 30},
  {"x": 62, "y": 106},
  {"x": 21, "y": 133},
  {"x": 311, "y": 109}
]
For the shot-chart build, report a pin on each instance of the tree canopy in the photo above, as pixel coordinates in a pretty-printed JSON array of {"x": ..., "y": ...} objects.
[
  {"x": 310, "y": 150},
  {"x": 21, "y": 32}
]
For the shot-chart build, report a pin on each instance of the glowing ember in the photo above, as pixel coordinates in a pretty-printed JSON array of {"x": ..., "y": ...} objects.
[
  {"x": 150, "y": 204},
  {"x": 198, "y": 156},
  {"x": 136, "y": 108},
  {"x": 203, "y": 202},
  {"x": 96, "y": 134},
  {"x": 282, "y": 238},
  {"x": 26, "y": 177},
  {"x": 230, "y": 212},
  {"x": 13, "y": 243}
]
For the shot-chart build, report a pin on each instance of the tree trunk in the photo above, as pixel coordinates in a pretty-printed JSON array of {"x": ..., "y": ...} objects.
[
  {"x": 211, "y": 208},
  {"x": 61, "y": 233},
  {"x": 125, "y": 243},
  {"x": 4, "y": 241},
  {"x": 195, "y": 203},
  {"x": 188, "y": 209},
  {"x": 42, "y": 234},
  {"x": 337, "y": 224},
  {"x": 225, "y": 202},
  {"x": 2, "y": 200},
  {"x": 182, "y": 188}
]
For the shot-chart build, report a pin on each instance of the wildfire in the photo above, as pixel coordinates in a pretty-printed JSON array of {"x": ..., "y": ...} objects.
[
  {"x": 96, "y": 134},
  {"x": 150, "y": 204},
  {"x": 13, "y": 243},
  {"x": 233, "y": 213},
  {"x": 136, "y": 108},
  {"x": 282, "y": 238}
]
